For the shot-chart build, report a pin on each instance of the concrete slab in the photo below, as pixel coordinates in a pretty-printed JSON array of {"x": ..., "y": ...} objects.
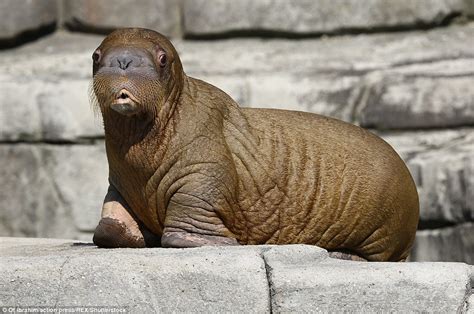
[
  {"x": 315, "y": 284},
  {"x": 57, "y": 273},
  {"x": 248, "y": 279}
]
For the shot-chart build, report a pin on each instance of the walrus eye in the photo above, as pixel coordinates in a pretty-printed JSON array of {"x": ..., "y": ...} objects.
[
  {"x": 162, "y": 59},
  {"x": 96, "y": 56}
]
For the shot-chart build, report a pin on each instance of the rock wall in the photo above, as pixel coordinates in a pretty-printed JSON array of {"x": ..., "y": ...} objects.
[{"x": 404, "y": 70}]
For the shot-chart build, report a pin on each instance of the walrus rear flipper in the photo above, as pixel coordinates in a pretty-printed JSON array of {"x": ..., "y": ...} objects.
[
  {"x": 346, "y": 255},
  {"x": 184, "y": 240}
]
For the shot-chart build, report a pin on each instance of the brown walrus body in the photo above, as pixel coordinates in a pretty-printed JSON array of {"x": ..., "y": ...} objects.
[{"x": 187, "y": 164}]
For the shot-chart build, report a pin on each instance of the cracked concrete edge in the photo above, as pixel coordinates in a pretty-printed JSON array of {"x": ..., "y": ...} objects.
[
  {"x": 286, "y": 263},
  {"x": 468, "y": 302},
  {"x": 268, "y": 272},
  {"x": 287, "y": 255},
  {"x": 470, "y": 294}
]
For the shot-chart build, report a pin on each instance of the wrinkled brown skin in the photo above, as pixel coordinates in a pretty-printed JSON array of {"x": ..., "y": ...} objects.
[{"x": 192, "y": 167}]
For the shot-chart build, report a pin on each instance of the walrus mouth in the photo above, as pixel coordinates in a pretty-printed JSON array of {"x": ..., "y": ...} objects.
[{"x": 125, "y": 103}]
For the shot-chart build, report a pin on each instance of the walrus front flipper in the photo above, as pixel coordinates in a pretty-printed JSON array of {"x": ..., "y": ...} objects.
[
  {"x": 119, "y": 228},
  {"x": 192, "y": 219}
]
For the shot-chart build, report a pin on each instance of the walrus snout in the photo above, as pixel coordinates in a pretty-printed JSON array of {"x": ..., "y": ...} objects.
[
  {"x": 127, "y": 58},
  {"x": 125, "y": 103}
]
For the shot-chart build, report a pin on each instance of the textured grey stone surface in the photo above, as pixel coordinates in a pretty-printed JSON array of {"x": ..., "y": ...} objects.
[
  {"x": 51, "y": 190},
  {"x": 446, "y": 183},
  {"x": 349, "y": 55},
  {"x": 62, "y": 55},
  {"x": 105, "y": 15},
  {"x": 45, "y": 90},
  {"x": 18, "y": 16},
  {"x": 409, "y": 80},
  {"x": 306, "y": 285},
  {"x": 445, "y": 244},
  {"x": 58, "y": 273},
  {"x": 341, "y": 55},
  {"x": 254, "y": 279},
  {"x": 441, "y": 163},
  {"x": 307, "y": 16},
  {"x": 439, "y": 95},
  {"x": 51, "y": 110}
]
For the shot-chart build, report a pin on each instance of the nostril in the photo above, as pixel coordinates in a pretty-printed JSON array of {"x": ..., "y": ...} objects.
[
  {"x": 123, "y": 96},
  {"x": 124, "y": 62}
]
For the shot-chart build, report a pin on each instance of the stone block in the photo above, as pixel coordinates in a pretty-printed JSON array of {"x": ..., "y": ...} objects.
[
  {"x": 20, "y": 16},
  {"x": 339, "y": 55},
  {"x": 56, "y": 111},
  {"x": 418, "y": 100},
  {"x": 211, "y": 17},
  {"x": 103, "y": 16},
  {"x": 51, "y": 190},
  {"x": 445, "y": 244},
  {"x": 410, "y": 143},
  {"x": 61, "y": 56},
  {"x": 327, "y": 95},
  {"x": 343, "y": 286},
  {"x": 441, "y": 163},
  {"x": 250, "y": 279},
  {"x": 213, "y": 280},
  {"x": 235, "y": 87},
  {"x": 445, "y": 185},
  {"x": 383, "y": 81}
]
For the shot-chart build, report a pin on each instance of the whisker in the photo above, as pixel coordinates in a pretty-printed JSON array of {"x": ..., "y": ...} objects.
[{"x": 94, "y": 102}]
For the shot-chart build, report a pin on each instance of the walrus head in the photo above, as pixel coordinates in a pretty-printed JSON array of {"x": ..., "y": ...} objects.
[{"x": 135, "y": 71}]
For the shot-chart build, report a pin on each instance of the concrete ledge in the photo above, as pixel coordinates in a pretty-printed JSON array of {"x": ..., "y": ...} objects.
[{"x": 296, "y": 278}]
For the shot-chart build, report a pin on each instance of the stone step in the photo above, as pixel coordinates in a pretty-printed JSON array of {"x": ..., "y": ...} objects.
[
  {"x": 251, "y": 279},
  {"x": 392, "y": 81}
]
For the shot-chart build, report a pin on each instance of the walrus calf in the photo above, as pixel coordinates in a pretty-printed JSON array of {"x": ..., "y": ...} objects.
[{"x": 188, "y": 167}]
